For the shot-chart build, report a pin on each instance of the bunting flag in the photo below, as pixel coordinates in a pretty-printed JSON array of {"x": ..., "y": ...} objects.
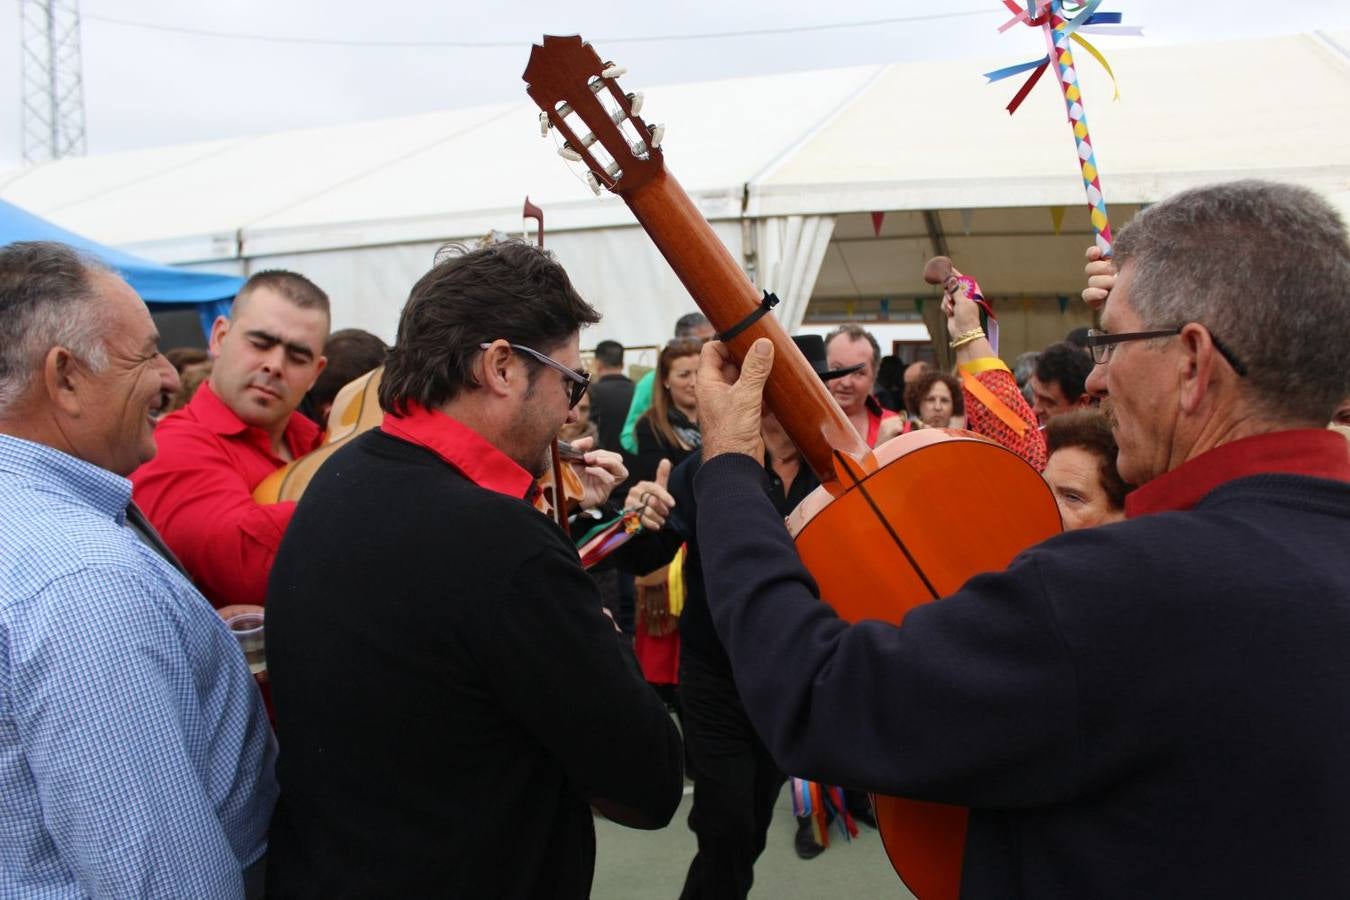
[
  {"x": 1057, "y": 218},
  {"x": 877, "y": 219},
  {"x": 967, "y": 219},
  {"x": 1060, "y": 32},
  {"x": 1063, "y": 305}
]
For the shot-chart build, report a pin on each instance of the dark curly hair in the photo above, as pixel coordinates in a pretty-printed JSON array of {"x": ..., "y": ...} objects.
[
  {"x": 509, "y": 290},
  {"x": 919, "y": 388},
  {"x": 1065, "y": 365}
]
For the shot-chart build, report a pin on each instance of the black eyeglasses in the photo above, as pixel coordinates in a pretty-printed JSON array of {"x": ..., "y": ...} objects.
[
  {"x": 1100, "y": 344},
  {"x": 579, "y": 380}
]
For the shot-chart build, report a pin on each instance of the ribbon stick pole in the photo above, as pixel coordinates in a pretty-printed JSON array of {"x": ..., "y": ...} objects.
[{"x": 1058, "y": 35}]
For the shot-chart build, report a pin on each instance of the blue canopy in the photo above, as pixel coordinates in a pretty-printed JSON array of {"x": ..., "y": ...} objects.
[{"x": 158, "y": 284}]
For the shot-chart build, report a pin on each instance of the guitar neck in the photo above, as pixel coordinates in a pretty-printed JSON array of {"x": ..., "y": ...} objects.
[{"x": 720, "y": 287}]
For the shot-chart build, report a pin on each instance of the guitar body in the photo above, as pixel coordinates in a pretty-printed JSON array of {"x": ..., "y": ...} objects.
[
  {"x": 927, "y": 492},
  {"x": 356, "y": 408},
  {"x": 888, "y": 529}
]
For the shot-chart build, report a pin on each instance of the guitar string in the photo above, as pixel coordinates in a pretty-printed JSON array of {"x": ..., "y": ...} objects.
[{"x": 841, "y": 465}]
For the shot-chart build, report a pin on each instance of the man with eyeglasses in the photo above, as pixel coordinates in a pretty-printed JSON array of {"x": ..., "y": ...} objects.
[
  {"x": 1154, "y": 708},
  {"x": 451, "y": 696}
]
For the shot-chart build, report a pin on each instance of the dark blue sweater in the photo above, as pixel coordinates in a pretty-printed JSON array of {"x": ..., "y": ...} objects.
[{"x": 1158, "y": 708}]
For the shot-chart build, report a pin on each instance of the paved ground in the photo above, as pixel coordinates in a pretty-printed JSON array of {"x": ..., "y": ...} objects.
[{"x": 638, "y": 865}]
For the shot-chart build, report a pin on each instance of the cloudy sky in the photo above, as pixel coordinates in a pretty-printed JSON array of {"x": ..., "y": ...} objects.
[{"x": 161, "y": 72}]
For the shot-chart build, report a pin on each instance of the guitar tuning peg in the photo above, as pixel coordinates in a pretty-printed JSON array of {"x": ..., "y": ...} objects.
[
  {"x": 635, "y": 101},
  {"x": 639, "y": 149},
  {"x": 569, "y": 154},
  {"x": 613, "y": 71},
  {"x": 544, "y": 124},
  {"x": 593, "y": 182},
  {"x": 658, "y": 135}
]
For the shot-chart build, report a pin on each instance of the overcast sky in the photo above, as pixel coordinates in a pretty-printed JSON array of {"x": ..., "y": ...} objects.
[{"x": 147, "y": 86}]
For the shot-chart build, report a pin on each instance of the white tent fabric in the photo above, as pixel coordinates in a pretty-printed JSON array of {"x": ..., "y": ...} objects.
[
  {"x": 787, "y": 167},
  {"x": 789, "y": 251}
]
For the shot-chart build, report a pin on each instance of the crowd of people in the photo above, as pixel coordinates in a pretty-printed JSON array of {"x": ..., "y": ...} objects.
[{"x": 1150, "y": 704}]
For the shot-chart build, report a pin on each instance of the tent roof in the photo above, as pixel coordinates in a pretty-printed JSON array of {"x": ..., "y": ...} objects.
[
  {"x": 1277, "y": 107},
  {"x": 452, "y": 173},
  {"x": 155, "y": 283},
  {"x": 914, "y": 136}
]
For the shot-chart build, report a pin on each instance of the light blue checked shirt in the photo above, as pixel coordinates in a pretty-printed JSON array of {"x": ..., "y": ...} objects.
[{"x": 135, "y": 755}]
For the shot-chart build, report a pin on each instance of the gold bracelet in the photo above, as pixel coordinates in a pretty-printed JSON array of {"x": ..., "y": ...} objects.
[{"x": 966, "y": 337}]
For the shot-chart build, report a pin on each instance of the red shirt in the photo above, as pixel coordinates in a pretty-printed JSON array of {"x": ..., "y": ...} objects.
[
  {"x": 198, "y": 493},
  {"x": 876, "y": 414},
  {"x": 462, "y": 447},
  {"x": 1317, "y": 453}
]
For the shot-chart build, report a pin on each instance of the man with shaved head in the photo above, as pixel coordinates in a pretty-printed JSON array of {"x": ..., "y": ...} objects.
[{"x": 239, "y": 427}]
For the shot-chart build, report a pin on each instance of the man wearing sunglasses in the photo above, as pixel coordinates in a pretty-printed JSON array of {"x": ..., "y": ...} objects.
[
  {"x": 452, "y": 698},
  {"x": 1154, "y": 708}
]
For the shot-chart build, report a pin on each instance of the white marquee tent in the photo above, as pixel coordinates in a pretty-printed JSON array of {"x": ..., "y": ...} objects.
[{"x": 789, "y": 169}]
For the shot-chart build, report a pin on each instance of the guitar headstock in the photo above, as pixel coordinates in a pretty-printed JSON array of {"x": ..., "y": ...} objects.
[{"x": 579, "y": 95}]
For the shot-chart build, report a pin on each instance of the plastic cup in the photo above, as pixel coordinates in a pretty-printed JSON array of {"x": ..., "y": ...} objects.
[{"x": 247, "y": 629}]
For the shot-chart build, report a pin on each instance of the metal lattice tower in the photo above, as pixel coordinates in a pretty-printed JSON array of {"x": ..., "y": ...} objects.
[{"x": 53, "y": 85}]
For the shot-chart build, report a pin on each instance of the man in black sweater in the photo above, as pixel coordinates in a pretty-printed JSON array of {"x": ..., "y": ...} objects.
[
  {"x": 451, "y": 699},
  {"x": 1156, "y": 708}
]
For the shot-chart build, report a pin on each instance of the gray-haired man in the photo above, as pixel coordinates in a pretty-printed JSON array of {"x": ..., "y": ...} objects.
[{"x": 135, "y": 755}]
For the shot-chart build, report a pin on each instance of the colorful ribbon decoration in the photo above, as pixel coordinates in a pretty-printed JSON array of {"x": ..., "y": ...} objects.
[
  {"x": 972, "y": 288},
  {"x": 1060, "y": 32},
  {"x": 605, "y": 538},
  {"x": 823, "y": 804}
]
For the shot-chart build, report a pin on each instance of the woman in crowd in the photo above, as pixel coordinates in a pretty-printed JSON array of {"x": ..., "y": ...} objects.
[
  {"x": 933, "y": 399},
  {"x": 668, "y": 430},
  {"x": 1081, "y": 470}
]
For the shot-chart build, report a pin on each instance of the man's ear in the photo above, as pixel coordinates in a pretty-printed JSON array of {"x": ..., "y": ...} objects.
[
  {"x": 319, "y": 366},
  {"x": 219, "y": 328},
  {"x": 61, "y": 379},
  {"x": 495, "y": 372},
  {"x": 1195, "y": 366}
]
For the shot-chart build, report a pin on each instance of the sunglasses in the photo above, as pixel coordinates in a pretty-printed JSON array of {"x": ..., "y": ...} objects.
[{"x": 579, "y": 380}]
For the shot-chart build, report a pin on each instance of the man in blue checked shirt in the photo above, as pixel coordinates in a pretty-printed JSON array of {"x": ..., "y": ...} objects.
[{"x": 135, "y": 755}]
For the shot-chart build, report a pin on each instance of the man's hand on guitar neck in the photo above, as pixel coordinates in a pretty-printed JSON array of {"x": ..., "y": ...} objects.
[{"x": 731, "y": 398}]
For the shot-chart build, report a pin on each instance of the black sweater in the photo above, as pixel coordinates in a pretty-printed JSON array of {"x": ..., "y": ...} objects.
[
  {"x": 1158, "y": 708},
  {"x": 449, "y": 695}
]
